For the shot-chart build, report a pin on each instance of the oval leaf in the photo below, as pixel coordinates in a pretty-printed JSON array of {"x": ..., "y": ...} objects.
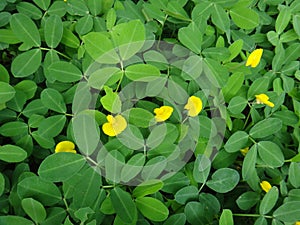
[
  {"x": 152, "y": 208},
  {"x": 12, "y": 153}
]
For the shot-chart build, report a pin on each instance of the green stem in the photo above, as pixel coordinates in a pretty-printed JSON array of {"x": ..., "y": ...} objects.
[
  {"x": 252, "y": 215},
  {"x": 59, "y": 53},
  {"x": 66, "y": 204},
  {"x": 252, "y": 140}
]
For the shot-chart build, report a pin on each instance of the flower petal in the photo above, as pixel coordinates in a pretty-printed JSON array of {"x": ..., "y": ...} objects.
[
  {"x": 254, "y": 58},
  {"x": 265, "y": 185},
  {"x": 65, "y": 146},
  {"x": 194, "y": 106},
  {"x": 163, "y": 113}
]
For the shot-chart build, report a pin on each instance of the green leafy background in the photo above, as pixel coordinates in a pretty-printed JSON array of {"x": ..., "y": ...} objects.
[{"x": 48, "y": 46}]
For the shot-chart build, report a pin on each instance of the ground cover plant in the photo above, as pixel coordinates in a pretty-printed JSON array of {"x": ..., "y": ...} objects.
[{"x": 149, "y": 112}]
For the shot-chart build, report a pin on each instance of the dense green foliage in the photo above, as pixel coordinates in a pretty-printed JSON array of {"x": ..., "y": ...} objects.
[{"x": 66, "y": 65}]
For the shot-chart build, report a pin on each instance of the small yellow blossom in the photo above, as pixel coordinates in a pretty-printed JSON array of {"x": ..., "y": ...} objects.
[
  {"x": 194, "y": 106},
  {"x": 264, "y": 99},
  {"x": 114, "y": 126},
  {"x": 254, "y": 58},
  {"x": 265, "y": 185},
  {"x": 65, "y": 146},
  {"x": 244, "y": 151},
  {"x": 163, "y": 113},
  {"x": 297, "y": 223}
]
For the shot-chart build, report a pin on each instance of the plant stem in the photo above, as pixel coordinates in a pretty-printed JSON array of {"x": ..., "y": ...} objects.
[
  {"x": 59, "y": 53},
  {"x": 252, "y": 215}
]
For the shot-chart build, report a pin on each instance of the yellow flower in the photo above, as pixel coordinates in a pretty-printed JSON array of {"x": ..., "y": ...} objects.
[
  {"x": 297, "y": 223},
  {"x": 265, "y": 185},
  {"x": 65, "y": 146},
  {"x": 264, "y": 99},
  {"x": 163, "y": 113},
  {"x": 114, "y": 126},
  {"x": 244, "y": 151},
  {"x": 254, "y": 58},
  {"x": 194, "y": 106}
]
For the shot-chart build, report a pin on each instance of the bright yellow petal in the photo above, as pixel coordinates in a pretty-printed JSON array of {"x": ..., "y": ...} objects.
[
  {"x": 297, "y": 223},
  {"x": 163, "y": 113},
  {"x": 254, "y": 58},
  {"x": 265, "y": 185},
  {"x": 244, "y": 151},
  {"x": 65, "y": 146},
  {"x": 194, "y": 106},
  {"x": 263, "y": 99},
  {"x": 120, "y": 124},
  {"x": 108, "y": 129}
]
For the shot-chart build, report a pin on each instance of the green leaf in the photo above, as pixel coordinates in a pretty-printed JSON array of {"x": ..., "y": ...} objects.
[
  {"x": 77, "y": 8},
  {"x": 95, "y": 7},
  {"x": 64, "y": 72},
  {"x": 147, "y": 188},
  {"x": 52, "y": 126},
  {"x": 194, "y": 212},
  {"x": 176, "y": 219},
  {"x": 128, "y": 38},
  {"x": 142, "y": 72},
  {"x": 28, "y": 87},
  {"x": 15, "y": 220},
  {"x": 296, "y": 24},
  {"x": 269, "y": 201},
  {"x": 86, "y": 133},
  {"x": 15, "y": 128},
  {"x": 244, "y": 18},
  {"x": 90, "y": 181},
  {"x": 237, "y": 104},
  {"x": 233, "y": 85},
  {"x": 236, "y": 142},
  {"x": 217, "y": 53},
  {"x": 69, "y": 39},
  {"x": 226, "y": 217},
  {"x": 43, "y": 4},
  {"x": 235, "y": 48},
  {"x": 111, "y": 18},
  {"x": 140, "y": 117},
  {"x": 223, "y": 180},
  {"x": 102, "y": 76},
  {"x": 35, "y": 107},
  {"x": 45, "y": 142},
  {"x": 154, "y": 167},
  {"x": 294, "y": 178},
  {"x": 288, "y": 212},
  {"x": 220, "y": 18},
  {"x": 34, "y": 209},
  {"x": 292, "y": 53},
  {"x": 25, "y": 29},
  {"x": 111, "y": 101},
  {"x": 53, "y": 100},
  {"x": 4, "y": 75},
  {"x": 12, "y": 153},
  {"x": 8, "y": 36},
  {"x": 53, "y": 31},
  {"x": 26, "y": 63},
  {"x": 2, "y": 184},
  {"x": 216, "y": 73},
  {"x": 133, "y": 167},
  {"x": 247, "y": 200},
  {"x": 249, "y": 169},
  {"x": 186, "y": 194},
  {"x": 123, "y": 205},
  {"x": 84, "y": 25},
  {"x": 270, "y": 153},
  {"x": 191, "y": 37},
  {"x": 152, "y": 208},
  {"x": 259, "y": 86},
  {"x": 100, "y": 48},
  {"x": 201, "y": 168},
  {"x": 265, "y": 128},
  {"x": 43, "y": 191},
  {"x": 283, "y": 19},
  {"x": 60, "y": 166},
  {"x": 30, "y": 10},
  {"x": 7, "y": 92}
]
